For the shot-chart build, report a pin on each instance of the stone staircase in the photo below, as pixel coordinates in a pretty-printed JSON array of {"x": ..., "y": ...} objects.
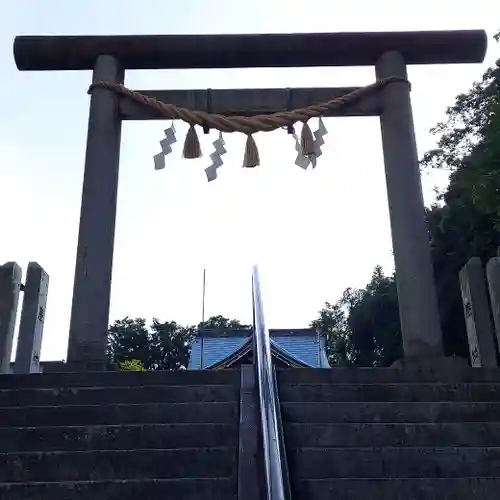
[
  {"x": 119, "y": 436},
  {"x": 350, "y": 434},
  {"x": 381, "y": 434}
]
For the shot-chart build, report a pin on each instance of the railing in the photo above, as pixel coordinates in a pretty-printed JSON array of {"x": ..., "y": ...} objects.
[{"x": 274, "y": 454}]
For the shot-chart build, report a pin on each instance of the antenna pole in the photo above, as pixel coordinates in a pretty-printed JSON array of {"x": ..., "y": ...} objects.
[
  {"x": 203, "y": 300},
  {"x": 202, "y": 317}
]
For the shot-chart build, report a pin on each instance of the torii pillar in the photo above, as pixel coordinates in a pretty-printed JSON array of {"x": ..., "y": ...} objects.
[{"x": 110, "y": 56}]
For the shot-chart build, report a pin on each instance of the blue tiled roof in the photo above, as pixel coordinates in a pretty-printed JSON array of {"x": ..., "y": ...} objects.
[
  {"x": 306, "y": 345},
  {"x": 215, "y": 348}
]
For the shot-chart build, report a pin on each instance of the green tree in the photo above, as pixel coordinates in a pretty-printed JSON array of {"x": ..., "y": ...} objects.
[
  {"x": 332, "y": 322},
  {"x": 132, "y": 365},
  {"x": 222, "y": 323},
  {"x": 170, "y": 345},
  {"x": 129, "y": 339},
  {"x": 465, "y": 220},
  {"x": 362, "y": 328}
]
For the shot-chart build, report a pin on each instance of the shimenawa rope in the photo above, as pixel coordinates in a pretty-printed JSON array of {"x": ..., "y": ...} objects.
[{"x": 245, "y": 124}]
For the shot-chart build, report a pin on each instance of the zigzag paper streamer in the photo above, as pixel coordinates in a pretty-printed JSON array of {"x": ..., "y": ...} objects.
[
  {"x": 318, "y": 141},
  {"x": 159, "y": 160},
  {"x": 216, "y": 158},
  {"x": 166, "y": 147},
  {"x": 211, "y": 173},
  {"x": 301, "y": 160}
]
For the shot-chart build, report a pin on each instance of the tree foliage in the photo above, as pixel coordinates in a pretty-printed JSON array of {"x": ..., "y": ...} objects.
[
  {"x": 362, "y": 327},
  {"x": 171, "y": 345},
  {"x": 469, "y": 145},
  {"x": 332, "y": 323},
  {"x": 129, "y": 339},
  {"x": 465, "y": 221},
  {"x": 131, "y": 365},
  {"x": 221, "y": 323}
]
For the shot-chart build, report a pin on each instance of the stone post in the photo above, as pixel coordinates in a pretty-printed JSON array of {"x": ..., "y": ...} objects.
[
  {"x": 29, "y": 343},
  {"x": 477, "y": 314},
  {"x": 94, "y": 259},
  {"x": 418, "y": 307},
  {"x": 10, "y": 286},
  {"x": 493, "y": 275}
]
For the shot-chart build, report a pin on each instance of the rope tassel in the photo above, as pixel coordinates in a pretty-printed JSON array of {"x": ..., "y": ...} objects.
[
  {"x": 307, "y": 140},
  {"x": 251, "y": 153},
  {"x": 192, "y": 148}
]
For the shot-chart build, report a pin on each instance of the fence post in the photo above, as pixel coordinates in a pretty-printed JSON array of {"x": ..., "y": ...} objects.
[
  {"x": 493, "y": 276},
  {"x": 29, "y": 342},
  {"x": 10, "y": 286},
  {"x": 477, "y": 314}
]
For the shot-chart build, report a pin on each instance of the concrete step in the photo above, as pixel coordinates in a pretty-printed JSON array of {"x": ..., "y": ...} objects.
[
  {"x": 377, "y": 434},
  {"x": 154, "y": 413},
  {"x": 120, "y": 379},
  {"x": 397, "y": 489},
  {"x": 117, "y": 437},
  {"x": 164, "y": 489},
  {"x": 393, "y": 462},
  {"x": 118, "y": 395},
  {"x": 386, "y": 375},
  {"x": 403, "y": 392},
  {"x": 390, "y": 412},
  {"x": 123, "y": 464}
]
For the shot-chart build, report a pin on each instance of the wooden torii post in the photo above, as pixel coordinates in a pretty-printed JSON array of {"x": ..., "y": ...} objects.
[{"x": 109, "y": 56}]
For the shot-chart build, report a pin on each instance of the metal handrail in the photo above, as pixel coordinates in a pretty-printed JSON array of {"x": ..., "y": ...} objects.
[{"x": 275, "y": 463}]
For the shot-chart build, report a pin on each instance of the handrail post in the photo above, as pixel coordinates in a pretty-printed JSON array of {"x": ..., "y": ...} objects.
[{"x": 275, "y": 464}]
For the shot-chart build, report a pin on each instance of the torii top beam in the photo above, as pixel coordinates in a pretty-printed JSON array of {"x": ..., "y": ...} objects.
[{"x": 46, "y": 53}]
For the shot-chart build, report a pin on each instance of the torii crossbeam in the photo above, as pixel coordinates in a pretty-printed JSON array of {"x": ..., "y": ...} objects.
[{"x": 110, "y": 56}]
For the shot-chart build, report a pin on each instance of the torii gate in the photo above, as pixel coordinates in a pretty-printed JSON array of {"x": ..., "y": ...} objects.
[{"x": 110, "y": 56}]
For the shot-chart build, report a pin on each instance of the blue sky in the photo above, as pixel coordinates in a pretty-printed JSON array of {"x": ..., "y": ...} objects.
[{"x": 314, "y": 233}]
